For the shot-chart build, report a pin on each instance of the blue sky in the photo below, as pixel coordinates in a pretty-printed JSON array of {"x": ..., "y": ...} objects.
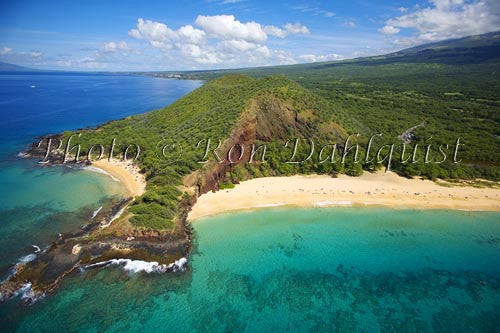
[{"x": 175, "y": 35}]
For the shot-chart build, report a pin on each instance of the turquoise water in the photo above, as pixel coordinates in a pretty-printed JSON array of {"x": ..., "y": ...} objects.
[
  {"x": 38, "y": 203},
  {"x": 343, "y": 269},
  {"x": 328, "y": 269},
  {"x": 42, "y": 202}
]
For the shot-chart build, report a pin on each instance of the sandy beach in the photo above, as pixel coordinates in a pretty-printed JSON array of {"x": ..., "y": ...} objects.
[
  {"x": 126, "y": 172},
  {"x": 379, "y": 189}
]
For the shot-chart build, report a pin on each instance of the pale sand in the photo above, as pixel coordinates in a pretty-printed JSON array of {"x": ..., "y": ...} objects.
[
  {"x": 126, "y": 172},
  {"x": 384, "y": 189}
]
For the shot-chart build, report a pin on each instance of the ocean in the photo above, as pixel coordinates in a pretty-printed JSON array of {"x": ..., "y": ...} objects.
[
  {"x": 38, "y": 203},
  {"x": 276, "y": 269}
]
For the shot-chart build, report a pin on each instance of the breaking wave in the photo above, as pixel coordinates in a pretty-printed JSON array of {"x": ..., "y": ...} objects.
[
  {"x": 94, "y": 214},
  {"x": 94, "y": 169},
  {"x": 331, "y": 203},
  {"x": 136, "y": 266}
]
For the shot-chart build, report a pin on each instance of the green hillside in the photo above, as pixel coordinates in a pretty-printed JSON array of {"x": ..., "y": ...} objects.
[
  {"x": 234, "y": 109},
  {"x": 324, "y": 102}
]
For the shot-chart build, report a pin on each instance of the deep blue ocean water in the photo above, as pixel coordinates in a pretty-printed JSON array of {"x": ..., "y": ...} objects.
[{"x": 279, "y": 270}]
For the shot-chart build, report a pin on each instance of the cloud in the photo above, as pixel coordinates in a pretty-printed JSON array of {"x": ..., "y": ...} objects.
[
  {"x": 350, "y": 23},
  {"x": 319, "y": 58},
  {"x": 35, "y": 54},
  {"x": 218, "y": 39},
  {"x": 296, "y": 28},
  {"x": 227, "y": 27},
  {"x": 238, "y": 45},
  {"x": 82, "y": 63},
  {"x": 225, "y": 2},
  {"x": 288, "y": 29},
  {"x": 161, "y": 36},
  {"x": 314, "y": 11},
  {"x": 275, "y": 31},
  {"x": 389, "y": 30},
  {"x": 6, "y": 50},
  {"x": 190, "y": 34},
  {"x": 447, "y": 19},
  {"x": 8, "y": 54},
  {"x": 115, "y": 46}
]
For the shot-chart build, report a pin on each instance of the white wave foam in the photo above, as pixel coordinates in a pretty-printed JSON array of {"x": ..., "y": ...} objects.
[
  {"x": 270, "y": 205},
  {"x": 24, "y": 288},
  {"x": 94, "y": 214},
  {"x": 97, "y": 170},
  {"x": 22, "y": 261},
  {"x": 331, "y": 203},
  {"x": 27, "y": 258},
  {"x": 23, "y": 154},
  {"x": 37, "y": 248},
  {"x": 117, "y": 215},
  {"x": 136, "y": 266},
  {"x": 28, "y": 296}
]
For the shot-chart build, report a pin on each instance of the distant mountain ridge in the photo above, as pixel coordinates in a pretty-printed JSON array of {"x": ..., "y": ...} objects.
[
  {"x": 465, "y": 50},
  {"x": 488, "y": 39},
  {"x": 6, "y": 67}
]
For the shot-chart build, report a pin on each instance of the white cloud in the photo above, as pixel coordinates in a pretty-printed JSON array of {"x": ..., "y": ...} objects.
[
  {"x": 237, "y": 45},
  {"x": 8, "y": 54},
  {"x": 161, "y": 36},
  {"x": 288, "y": 29},
  {"x": 82, "y": 63},
  {"x": 275, "y": 31},
  {"x": 190, "y": 34},
  {"x": 227, "y": 27},
  {"x": 314, "y": 11},
  {"x": 350, "y": 23},
  {"x": 225, "y": 2},
  {"x": 296, "y": 28},
  {"x": 389, "y": 30},
  {"x": 6, "y": 50},
  {"x": 219, "y": 39},
  {"x": 115, "y": 46},
  {"x": 447, "y": 19},
  {"x": 319, "y": 58}
]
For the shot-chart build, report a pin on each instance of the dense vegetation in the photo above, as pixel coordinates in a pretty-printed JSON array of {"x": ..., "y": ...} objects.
[
  {"x": 449, "y": 90},
  {"x": 211, "y": 112},
  {"x": 453, "y": 87}
]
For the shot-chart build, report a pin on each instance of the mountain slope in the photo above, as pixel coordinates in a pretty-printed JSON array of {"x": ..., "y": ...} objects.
[
  {"x": 451, "y": 86},
  {"x": 474, "y": 49}
]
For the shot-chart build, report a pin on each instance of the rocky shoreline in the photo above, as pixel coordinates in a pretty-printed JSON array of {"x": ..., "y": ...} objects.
[{"x": 89, "y": 247}]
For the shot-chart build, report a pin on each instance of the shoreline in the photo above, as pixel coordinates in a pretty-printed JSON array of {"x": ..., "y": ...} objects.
[
  {"x": 369, "y": 190},
  {"x": 126, "y": 173}
]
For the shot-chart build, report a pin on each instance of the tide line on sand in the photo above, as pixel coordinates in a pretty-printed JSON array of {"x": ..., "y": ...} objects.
[
  {"x": 371, "y": 189},
  {"x": 125, "y": 172}
]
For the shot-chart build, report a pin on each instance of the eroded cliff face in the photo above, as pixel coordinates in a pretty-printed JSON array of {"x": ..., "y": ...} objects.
[{"x": 266, "y": 118}]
